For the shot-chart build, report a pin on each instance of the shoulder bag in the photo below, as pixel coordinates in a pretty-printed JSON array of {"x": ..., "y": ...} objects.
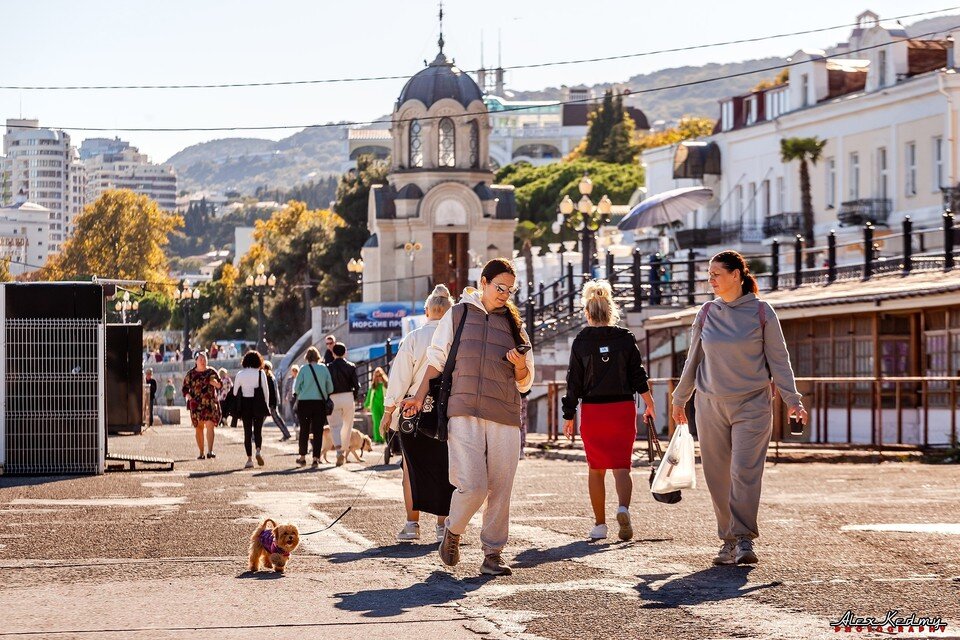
[
  {"x": 327, "y": 402},
  {"x": 431, "y": 420},
  {"x": 261, "y": 408}
]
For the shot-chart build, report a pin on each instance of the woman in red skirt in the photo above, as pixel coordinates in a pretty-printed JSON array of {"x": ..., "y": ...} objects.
[{"x": 605, "y": 372}]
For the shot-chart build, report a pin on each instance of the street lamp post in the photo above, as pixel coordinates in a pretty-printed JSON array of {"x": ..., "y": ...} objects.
[
  {"x": 356, "y": 266},
  {"x": 592, "y": 215},
  {"x": 125, "y": 304},
  {"x": 186, "y": 297},
  {"x": 262, "y": 284}
]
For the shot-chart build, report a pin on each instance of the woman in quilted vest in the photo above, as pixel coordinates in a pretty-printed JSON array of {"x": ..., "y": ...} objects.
[
  {"x": 736, "y": 346},
  {"x": 484, "y": 409},
  {"x": 604, "y": 374}
]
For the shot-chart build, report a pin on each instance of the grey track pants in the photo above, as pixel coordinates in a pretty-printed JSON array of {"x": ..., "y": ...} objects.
[{"x": 734, "y": 434}]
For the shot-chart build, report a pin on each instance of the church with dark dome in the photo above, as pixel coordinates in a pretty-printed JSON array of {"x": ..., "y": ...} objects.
[{"x": 439, "y": 215}]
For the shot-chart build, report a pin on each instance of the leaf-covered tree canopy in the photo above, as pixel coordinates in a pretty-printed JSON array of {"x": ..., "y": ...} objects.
[{"x": 121, "y": 235}]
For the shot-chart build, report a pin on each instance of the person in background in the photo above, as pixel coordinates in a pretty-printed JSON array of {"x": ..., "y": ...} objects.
[
  {"x": 214, "y": 351},
  {"x": 200, "y": 387},
  {"x": 736, "y": 347},
  {"x": 150, "y": 382},
  {"x": 328, "y": 356},
  {"x": 289, "y": 402},
  {"x": 605, "y": 372},
  {"x": 374, "y": 401},
  {"x": 311, "y": 390},
  {"x": 426, "y": 467},
  {"x": 226, "y": 397},
  {"x": 254, "y": 407},
  {"x": 169, "y": 392},
  {"x": 346, "y": 394},
  {"x": 275, "y": 401}
]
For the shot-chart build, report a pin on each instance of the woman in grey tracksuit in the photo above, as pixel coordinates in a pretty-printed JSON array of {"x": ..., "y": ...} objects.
[{"x": 736, "y": 346}]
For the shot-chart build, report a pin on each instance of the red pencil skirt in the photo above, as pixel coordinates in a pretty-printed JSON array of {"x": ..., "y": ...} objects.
[{"x": 608, "y": 432}]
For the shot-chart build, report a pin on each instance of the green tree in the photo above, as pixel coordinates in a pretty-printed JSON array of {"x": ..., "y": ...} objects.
[
  {"x": 804, "y": 150},
  {"x": 156, "y": 310},
  {"x": 121, "y": 235},
  {"x": 610, "y": 133}
]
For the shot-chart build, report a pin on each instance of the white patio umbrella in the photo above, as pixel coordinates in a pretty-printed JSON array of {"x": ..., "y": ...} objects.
[{"x": 666, "y": 208}]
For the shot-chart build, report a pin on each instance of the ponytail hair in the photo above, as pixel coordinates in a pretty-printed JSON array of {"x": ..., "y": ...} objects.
[
  {"x": 733, "y": 261},
  {"x": 597, "y": 299},
  {"x": 491, "y": 270}
]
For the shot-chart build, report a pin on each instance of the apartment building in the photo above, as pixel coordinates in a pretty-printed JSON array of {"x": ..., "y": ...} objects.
[
  {"x": 885, "y": 104},
  {"x": 39, "y": 165},
  {"x": 130, "y": 169}
]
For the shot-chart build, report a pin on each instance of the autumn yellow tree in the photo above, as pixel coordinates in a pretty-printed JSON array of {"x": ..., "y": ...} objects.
[
  {"x": 5, "y": 270},
  {"x": 121, "y": 235},
  {"x": 688, "y": 128}
]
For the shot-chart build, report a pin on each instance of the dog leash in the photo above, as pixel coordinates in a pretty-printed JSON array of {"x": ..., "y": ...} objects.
[{"x": 391, "y": 435}]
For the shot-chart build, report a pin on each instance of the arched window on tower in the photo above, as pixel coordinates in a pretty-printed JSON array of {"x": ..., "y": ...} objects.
[
  {"x": 474, "y": 145},
  {"x": 447, "y": 154},
  {"x": 416, "y": 144}
]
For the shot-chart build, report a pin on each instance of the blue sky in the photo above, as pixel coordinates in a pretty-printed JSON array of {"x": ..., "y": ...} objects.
[{"x": 200, "y": 41}]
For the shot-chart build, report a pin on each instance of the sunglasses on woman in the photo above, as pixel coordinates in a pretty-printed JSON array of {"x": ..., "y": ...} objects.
[{"x": 504, "y": 289}]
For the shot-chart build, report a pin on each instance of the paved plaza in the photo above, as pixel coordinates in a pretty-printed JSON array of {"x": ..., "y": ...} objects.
[{"x": 151, "y": 554}]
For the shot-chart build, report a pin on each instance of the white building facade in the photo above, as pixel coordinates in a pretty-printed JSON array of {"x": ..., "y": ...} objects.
[
  {"x": 39, "y": 165},
  {"x": 130, "y": 169},
  {"x": 24, "y": 236},
  {"x": 886, "y": 107}
]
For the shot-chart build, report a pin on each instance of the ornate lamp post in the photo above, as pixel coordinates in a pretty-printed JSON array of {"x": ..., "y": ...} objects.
[
  {"x": 356, "y": 266},
  {"x": 186, "y": 297},
  {"x": 592, "y": 217},
  {"x": 125, "y": 304},
  {"x": 261, "y": 284}
]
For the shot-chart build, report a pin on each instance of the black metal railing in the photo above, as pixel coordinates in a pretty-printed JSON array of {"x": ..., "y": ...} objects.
[
  {"x": 876, "y": 211},
  {"x": 783, "y": 224}
]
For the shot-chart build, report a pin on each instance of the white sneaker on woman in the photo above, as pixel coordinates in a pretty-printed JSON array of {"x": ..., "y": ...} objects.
[
  {"x": 599, "y": 532},
  {"x": 440, "y": 529},
  {"x": 410, "y": 531},
  {"x": 249, "y": 464}
]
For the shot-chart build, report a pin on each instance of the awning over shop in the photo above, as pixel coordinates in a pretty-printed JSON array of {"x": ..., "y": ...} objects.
[{"x": 694, "y": 159}]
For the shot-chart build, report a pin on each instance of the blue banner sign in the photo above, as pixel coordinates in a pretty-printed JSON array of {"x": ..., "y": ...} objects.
[{"x": 380, "y": 316}]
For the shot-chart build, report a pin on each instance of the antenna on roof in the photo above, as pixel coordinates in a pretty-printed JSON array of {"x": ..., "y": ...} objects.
[
  {"x": 499, "y": 57},
  {"x": 481, "y": 48}
]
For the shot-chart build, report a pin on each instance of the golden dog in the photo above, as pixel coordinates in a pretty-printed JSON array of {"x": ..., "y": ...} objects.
[
  {"x": 358, "y": 443},
  {"x": 272, "y": 545}
]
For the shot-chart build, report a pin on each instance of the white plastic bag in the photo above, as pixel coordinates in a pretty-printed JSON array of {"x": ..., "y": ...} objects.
[{"x": 677, "y": 470}]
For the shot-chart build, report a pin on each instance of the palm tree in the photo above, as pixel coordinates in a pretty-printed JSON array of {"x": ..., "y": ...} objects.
[
  {"x": 804, "y": 150},
  {"x": 526, "y": 233}
]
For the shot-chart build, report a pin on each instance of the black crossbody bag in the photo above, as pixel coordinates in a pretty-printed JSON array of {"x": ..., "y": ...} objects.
[
  {"x": 431, "y": 420},
  {"x": 327, "y": 402}
]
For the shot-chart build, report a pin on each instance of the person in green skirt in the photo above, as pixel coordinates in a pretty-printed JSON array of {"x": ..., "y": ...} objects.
[{"x": 374, "y": 401}]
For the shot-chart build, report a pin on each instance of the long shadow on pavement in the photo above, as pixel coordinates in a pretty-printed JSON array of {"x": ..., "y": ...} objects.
[
  {"x": 714, "y": 584},
  {"x": 579, "y": 549},
  {"x": 259, "y": 575},
  {"x": 439, "y": 588},
  {"x": 402, "y": 551}
]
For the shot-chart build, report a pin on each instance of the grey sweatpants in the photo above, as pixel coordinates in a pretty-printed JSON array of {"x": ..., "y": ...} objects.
[
  {"x": 483, "y": 462},
  {"x": 734, "y": 434}
]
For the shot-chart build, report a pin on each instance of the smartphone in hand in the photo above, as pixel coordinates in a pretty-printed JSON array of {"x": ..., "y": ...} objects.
[{"x": 521, "y": 349}]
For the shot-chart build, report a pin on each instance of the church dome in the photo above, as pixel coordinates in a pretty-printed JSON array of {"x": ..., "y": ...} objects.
[{"x": 441, "y": 79}]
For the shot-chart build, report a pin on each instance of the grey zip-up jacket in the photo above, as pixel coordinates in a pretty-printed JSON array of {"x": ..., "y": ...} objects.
[{"x": 732, "y": 355}]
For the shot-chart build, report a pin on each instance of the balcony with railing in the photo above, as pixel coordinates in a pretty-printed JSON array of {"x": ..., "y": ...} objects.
[
  {"x": 782, "y": 224},
  {"x": 700, "y": 238},
  {"x": 857, "y": 212}
]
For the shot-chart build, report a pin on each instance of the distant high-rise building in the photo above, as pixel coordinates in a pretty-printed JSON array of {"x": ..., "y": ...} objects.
[
  {"x": 130, "y": 169},
  {"x": 40, "y": 166},
  {"x": 99, "y": 146}
]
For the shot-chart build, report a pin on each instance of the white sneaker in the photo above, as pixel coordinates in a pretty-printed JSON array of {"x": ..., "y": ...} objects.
[
  {"x": 440, "y": 529},
  {"x": 727, "y": 554},
  {"x": 626, "y": 529},
  {"x": 249, "y": 464},
  {"x": 410, "y": 531},
  {"x": 599, "y": 532}
]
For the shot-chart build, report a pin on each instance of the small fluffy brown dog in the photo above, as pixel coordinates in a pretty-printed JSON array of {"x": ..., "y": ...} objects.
[
  {"x": 358, "y": 444},
  {"x": 271, "y": 545}
]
